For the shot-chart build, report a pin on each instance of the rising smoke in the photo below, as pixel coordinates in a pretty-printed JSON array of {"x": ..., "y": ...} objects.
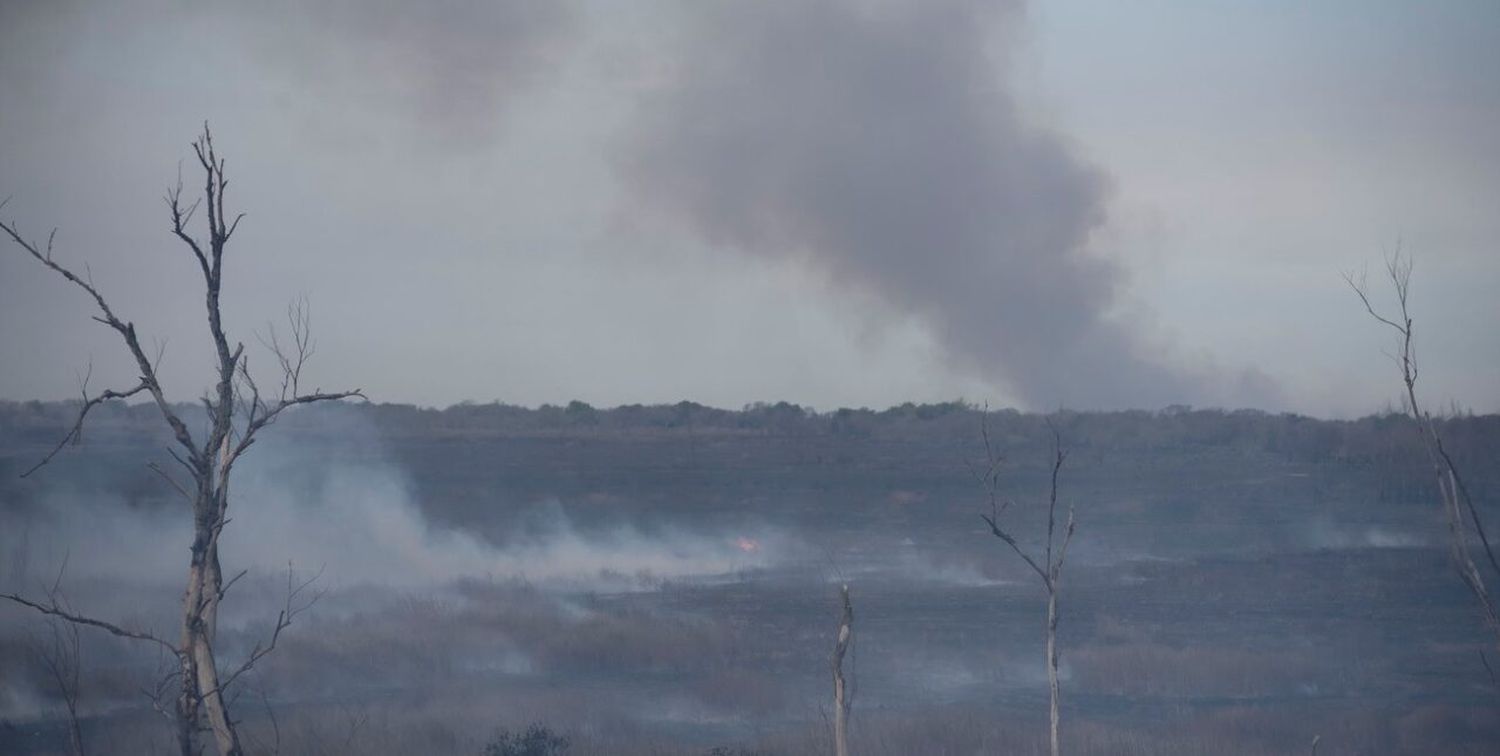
[
  {"x": 877, "y": 145},
  {"x": 446, "y": 70}
]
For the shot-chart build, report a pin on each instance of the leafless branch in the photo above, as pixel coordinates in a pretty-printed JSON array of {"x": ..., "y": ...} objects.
[
  {"x": 843, "y": 699},
  {"x": 1055, "y": 554},
  {"x": 53, "y": 610},
  {"x": 61, "y": 655},
  {"x": 124, "y": 329},
  {"x": 261, "y": 746},
  {"x": 180, "y": 219},
  {"x": 295, "y": 605},
  {"x": 1462, "y": 491},
  {"x": 275, "y": 726},
  {"x": 1361, "y": 288},
  {"x": 76, "y": 432},
  {"x": 57, "y": 606},
  {"x": 993, "y": 522},
  {"x": 292, "y": 359},
  {"x": 1058, "y": 456},
  {"x": 171, "y": 481},
  {"x": 236, "y": 410},
  {"x": 989, "y": 478},
  {"x": 230, "y": 583},
  {"x": 1458, "y": 505},
  {"x": 185, "y": 464},
  {"x": 161, "y": 352},
  {"x": 166, "y": 680}
]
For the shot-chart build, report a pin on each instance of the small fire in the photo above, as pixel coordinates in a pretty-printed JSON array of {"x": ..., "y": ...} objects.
[{"x": 747, "y": 545}]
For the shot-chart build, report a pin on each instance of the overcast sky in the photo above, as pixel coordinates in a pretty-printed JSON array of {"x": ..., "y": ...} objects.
[{"x": 1088, "y": 204}]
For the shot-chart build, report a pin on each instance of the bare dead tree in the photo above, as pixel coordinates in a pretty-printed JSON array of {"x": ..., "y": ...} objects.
[
  {"x": 842, "y": 701},
  {"x": 61, "y": 654},
  {"x": 273, "y": 748},
  {"x": 1049, "y": 569},
  {"x": 297, "y": 602},
  {"x": 1466, "y": 533},
  {"x": 236, "y": 412}
]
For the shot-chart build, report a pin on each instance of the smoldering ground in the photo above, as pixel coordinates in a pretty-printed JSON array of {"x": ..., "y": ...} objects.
[
  {"x": 345, "y": 509},
  {"x": 386, "y": 578},
  {"x": 708, "y": 622}
]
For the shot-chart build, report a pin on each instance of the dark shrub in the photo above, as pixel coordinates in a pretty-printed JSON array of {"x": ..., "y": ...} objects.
[{"x": 536, "y": 741}]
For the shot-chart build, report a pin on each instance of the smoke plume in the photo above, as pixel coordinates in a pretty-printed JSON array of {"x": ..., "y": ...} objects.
[
  {"x": 877, "y": 145},
  {"x": 449, "y": 68}
]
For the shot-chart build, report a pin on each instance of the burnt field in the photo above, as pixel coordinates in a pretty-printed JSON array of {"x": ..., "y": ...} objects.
[{"x": 664, "y": 580}]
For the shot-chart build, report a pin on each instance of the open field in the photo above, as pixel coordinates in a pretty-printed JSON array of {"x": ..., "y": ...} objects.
[{"x": 1241, "y": 583}]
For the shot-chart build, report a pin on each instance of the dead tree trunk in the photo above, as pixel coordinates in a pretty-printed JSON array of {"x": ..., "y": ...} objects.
[
  {"x": 841, "y": 698},
  {"x": 1049, "y": 569},
  {"x": 1052, "y": 687},
  {"x": 1458, "y": 505},
  {"x": 236, "y": 413}
]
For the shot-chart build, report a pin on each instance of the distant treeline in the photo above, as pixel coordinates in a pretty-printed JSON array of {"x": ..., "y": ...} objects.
[
  {"x": 1473, "y": 436},
  {"x": 1173, "y": 481}
]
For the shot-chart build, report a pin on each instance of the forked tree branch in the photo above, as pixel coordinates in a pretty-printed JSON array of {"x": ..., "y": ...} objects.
[
  {"x": 1462, "y": 491},
  {"x": 233, "y": 422},
  {"x": 992, "y": 521},
  {"x": 1058, "y": 456},
  {"x": 293, "y": 607},
  {"x": 258, "y": 411},
  {"x": 1458, "y": 505},
  {"x": 1050, "y": 569},
  {"x": 126, "y": 330},
  {"x": 52, "y": 609},
  {"x": 1054, "y": 556},
  {"x": 77, "y": 430},
  {"x": 1062, "y": 553}
]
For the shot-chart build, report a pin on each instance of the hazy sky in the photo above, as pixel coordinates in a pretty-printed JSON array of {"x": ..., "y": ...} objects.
[{"x": 1089, "y": 204}]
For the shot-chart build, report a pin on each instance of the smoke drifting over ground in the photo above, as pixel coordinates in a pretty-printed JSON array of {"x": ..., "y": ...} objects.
[
  {"x": 653, "y": 580},
  {"x": 364, "y": 523},
  {"x": 877, "y": 144},
  {"x": 359, "y": 523}
]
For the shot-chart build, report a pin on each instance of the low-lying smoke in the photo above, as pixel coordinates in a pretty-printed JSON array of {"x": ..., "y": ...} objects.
[
  {"x": 1326, "y": 534},
  {"x": 358, "y": 521}
]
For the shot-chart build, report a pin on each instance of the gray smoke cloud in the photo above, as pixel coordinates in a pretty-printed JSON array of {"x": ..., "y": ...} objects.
[
  {"x": 449, "y": 67},
  {"x": 877, "y": 145}
]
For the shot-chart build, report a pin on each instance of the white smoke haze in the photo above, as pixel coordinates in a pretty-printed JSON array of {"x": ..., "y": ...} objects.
[
  {"x": 1327, "y": 534},
  {"x": 928, "y": 563},
  {"x": 966, "y": 574},
  {"x": 356, "y": 522},
  {"x": 352, "y": 522},
  {"x": 23, "y": 702},
  {"x": 949, "y": 676}
]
